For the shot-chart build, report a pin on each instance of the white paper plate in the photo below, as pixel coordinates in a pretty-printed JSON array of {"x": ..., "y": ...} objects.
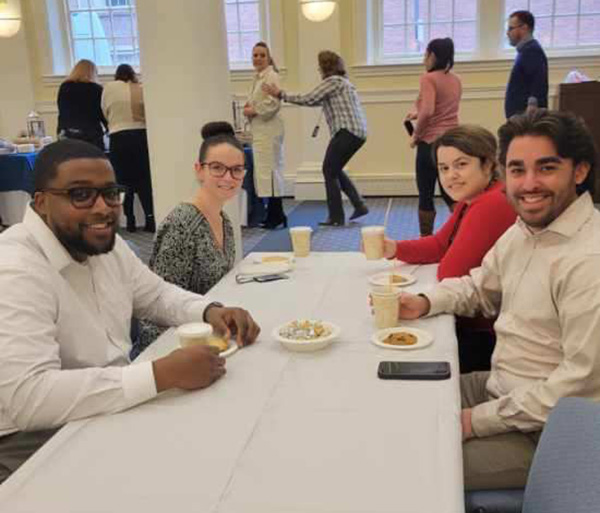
[
  {"x": 383, "y": 279},
  {"x": 307, "y": 346},
  {"x": 424, "y": 338},
  {"x": 273, "y": 258},
  {"x": 250, "y": 269}
]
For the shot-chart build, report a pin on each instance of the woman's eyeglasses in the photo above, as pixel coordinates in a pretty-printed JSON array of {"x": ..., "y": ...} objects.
[
  {"x": 86, "y": 197},
  {"x": 219, "y": 170}
]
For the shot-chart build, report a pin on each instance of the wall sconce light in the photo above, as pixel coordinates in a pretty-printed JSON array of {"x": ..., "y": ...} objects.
[
  {"x": 317, "y": 10},
  {"x": 9, "y": 23}
]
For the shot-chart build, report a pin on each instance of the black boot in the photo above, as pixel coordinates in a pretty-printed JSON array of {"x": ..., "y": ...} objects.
[
  {"x": 275, "y": 214},
  {"x": 150, "y": 224}
]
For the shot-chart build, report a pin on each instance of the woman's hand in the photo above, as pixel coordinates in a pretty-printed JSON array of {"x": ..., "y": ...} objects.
[
  {"x": 271, "y": 89},
  {"x": 249, "y": 111},
  {"x": 413, "y": 142},
  {"x": 411, "y": 116},
  {"x": 389, "y": 248}
]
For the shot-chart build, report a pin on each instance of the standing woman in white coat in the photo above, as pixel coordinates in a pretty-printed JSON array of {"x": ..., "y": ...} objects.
[{"x": 266, "y": 125}]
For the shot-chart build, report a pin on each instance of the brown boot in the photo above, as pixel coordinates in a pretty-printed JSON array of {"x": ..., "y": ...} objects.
[{"x": 426, "y": 219}]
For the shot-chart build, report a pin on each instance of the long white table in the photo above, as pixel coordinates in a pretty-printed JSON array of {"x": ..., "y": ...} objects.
[{"x": 281, "y": 432}]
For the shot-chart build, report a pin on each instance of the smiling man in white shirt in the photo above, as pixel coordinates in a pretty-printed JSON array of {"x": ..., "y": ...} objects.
[
  {"x": 542, "y": 281},
  {"x": 70, "y": 287}
]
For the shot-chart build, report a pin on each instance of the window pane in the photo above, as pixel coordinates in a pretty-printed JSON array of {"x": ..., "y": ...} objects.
[
  {"x": 105, "y": 28},
  {"x": 465, "y": 10},
  {"x": 589, "y": 30},
  {"x": 78, "y": 4},
  {"x": 249, "y": 17},
  {"x": 83, "y": 49},
  {"x": 393, "y": 12},
  {"x": 465, "y": 37},
  {"x": 417, "y": 37},
  {"x": 543, "y": 31},
  {"x": 102, "y": 52},
  {"x": 393, "y": 41},
  {"x": 565, "y": 31},
  {"x": 418, "y": 10},
  {"x": 440, "y": 30},
  {"x": 249, "y": 39},
  {"x": 441, "y": 10},
  {"x": 567, "y": 7},
  {"x": 233, "y": 43},
  {"x": 122, "y": 24},
  {"x": 231, "y": 18},
  {"x": 511, "y": 6},
  {"x": 542, "y": 7},
  {"x": 590, "y": 6},
  {"x": 81, "y": 25}
]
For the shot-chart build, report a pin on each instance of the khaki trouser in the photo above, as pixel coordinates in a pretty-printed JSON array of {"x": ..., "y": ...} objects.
[
  {"x": 498, "y": 461},
  {"x": 16, "y": 448}
]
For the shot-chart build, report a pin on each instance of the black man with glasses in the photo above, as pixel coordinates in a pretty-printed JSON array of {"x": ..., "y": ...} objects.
[
  {"x": 528, "y": 83},
  {"x": 70, "y": 286}
]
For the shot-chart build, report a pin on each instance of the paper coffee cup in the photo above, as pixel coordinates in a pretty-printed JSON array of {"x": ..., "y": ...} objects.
[
  {"x": 373, "y": 241},
  {"x": 301, "y": 240},
  {"x": 194, "y": 334},
  {"x": 385, "y": 307}
]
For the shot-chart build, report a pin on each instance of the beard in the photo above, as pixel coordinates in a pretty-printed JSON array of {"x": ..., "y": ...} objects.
[{"x": 76, "y": 243}]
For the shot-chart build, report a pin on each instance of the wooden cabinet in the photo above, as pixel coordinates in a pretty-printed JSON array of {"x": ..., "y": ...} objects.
[{"x": 583, "y": 99}]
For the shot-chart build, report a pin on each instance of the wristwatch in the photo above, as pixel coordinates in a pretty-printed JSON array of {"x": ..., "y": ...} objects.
[{"x": 215, "y": 304}]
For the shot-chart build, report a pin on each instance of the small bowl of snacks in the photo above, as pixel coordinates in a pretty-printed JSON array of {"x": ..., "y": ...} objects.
[{"x": 305, "y": 335}]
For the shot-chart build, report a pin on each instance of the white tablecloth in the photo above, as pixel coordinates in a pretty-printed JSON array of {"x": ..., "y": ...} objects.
[{"x": 281, "y": 432}]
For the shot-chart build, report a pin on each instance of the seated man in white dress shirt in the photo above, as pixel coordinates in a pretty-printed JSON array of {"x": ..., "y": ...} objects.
[
  {"x": 70, "y": 287},
  {"x": 542, "y": 280}
]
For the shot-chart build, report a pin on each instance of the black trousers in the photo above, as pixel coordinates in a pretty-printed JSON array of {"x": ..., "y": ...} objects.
[
  {"x": 427, "y": 176},
  {"x": 341, "y": 149},
  {"x": 129, "y": 156},
  {"x": 475, "y": 349}
]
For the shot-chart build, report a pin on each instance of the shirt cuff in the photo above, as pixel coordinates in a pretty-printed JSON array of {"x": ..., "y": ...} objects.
[
  {"x": 439, "y": 302},
  {"x": 485, "y": 420},
  {"x": 139, "y": 384}
]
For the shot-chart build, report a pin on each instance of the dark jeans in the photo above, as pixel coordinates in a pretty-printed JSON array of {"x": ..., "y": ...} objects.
[
  {"x": 256, "y": 205},
  {"x": 129, "y": 156},
  {"x": 475, "y": 349},
  {"x": 341, "y": 149},
  {"x": 427, "y": 176}
]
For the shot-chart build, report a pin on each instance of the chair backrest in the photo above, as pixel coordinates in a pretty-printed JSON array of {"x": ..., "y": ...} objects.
[{"x": 564, "y": 475}]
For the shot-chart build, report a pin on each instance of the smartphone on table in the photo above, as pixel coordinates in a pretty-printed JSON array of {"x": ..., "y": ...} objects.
[{"x": 428, "y": 371}]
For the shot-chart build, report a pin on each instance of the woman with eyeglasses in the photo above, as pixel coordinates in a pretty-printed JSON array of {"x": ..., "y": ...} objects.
[
  {"x": 267, "y": 136},
  {"x": 123, "y": 106},
  {"x": 436, "y": 110},
  {"x": 466, "y": 161},
  {"x": 194, "y": 245}
]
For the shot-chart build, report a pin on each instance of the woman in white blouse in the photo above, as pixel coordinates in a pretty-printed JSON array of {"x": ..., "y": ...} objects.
[
  {"x": 123, "y": 107},
  {"x": 266, "y": 124}
]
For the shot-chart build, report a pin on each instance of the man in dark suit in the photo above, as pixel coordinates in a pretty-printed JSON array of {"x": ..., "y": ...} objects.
[{"x": 528, "y": 82}]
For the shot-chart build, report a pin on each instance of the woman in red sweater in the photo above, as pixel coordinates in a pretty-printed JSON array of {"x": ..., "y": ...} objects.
[{"x": 467, "y": 167}]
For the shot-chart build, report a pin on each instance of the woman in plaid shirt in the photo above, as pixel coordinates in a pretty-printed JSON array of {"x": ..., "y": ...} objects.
[{"x": 348, "y": 126}]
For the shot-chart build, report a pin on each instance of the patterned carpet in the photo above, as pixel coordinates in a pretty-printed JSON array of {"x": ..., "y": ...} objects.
[{"x": 402, "y": 224}]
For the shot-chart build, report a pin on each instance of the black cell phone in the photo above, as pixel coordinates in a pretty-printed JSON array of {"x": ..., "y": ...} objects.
[
  {"x": 414, "y": 370},
  {"x": 409, "y": 127},
  {"x": 270, "y": 277},
  {"x": 315, "y": 131}
]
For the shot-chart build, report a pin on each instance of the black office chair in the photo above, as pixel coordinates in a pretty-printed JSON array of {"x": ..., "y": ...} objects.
[{"x": 564, "y": 472}]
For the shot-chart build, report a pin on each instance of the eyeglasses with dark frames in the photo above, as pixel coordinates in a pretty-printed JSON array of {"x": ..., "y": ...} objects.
[
  {"x": 86, "y": 197},
  {"x": 219, "y": 170}
]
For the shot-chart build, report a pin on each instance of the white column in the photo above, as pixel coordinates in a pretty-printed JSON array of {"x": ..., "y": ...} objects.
[
  {"x": 186, "y": 84},
  {"x": 312, "y": 38}
]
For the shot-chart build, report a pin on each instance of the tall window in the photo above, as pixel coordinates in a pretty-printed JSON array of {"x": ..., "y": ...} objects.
[
  {"x": 408, "y": 25},
  {"x": 244, "y": 29},
  {"x": 562, "y": 23},
  {"x": 104, "y": 31}
]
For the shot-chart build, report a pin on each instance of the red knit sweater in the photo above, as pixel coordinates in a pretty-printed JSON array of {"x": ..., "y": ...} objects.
[{"x": 483, "y": 221}]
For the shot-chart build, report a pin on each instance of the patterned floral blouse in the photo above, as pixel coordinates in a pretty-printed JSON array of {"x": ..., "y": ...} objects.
[{"x": 186, "y": 253}]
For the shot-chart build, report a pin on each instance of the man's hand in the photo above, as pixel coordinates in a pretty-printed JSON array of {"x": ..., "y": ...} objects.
[
  {"x": 412, "y": 306},
  {"x": 233, "y": 321},
  {"x": 413, "y": 142},
  {"x": 389, "y": 248},
  {"x": 271, "y": 89},
  {"x": 465, "y": 420},
  {"x": 249, "y": 111},
  {"x": 188, "y": 368}
]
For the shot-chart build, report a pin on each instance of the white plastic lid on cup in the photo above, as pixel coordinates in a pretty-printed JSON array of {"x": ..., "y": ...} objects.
[
  {"x": 301, "y": 229},
  {"x": 195, "y": 329},
  {"x": 372, "y": 230}
]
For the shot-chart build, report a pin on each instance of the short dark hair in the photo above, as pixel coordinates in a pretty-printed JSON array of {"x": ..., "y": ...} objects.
[
  {"x": 125, "y": 73},
  {"x": 443, "y": 49},
  {"x": 331, "y": 64},
  {"x": 569, "y": 134},
  {"x": 215, "y": 133},
  {"x": 524, "y": 17},
  {"x": 55, "y": 154},
  {"x": 473, "y": 140}
]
